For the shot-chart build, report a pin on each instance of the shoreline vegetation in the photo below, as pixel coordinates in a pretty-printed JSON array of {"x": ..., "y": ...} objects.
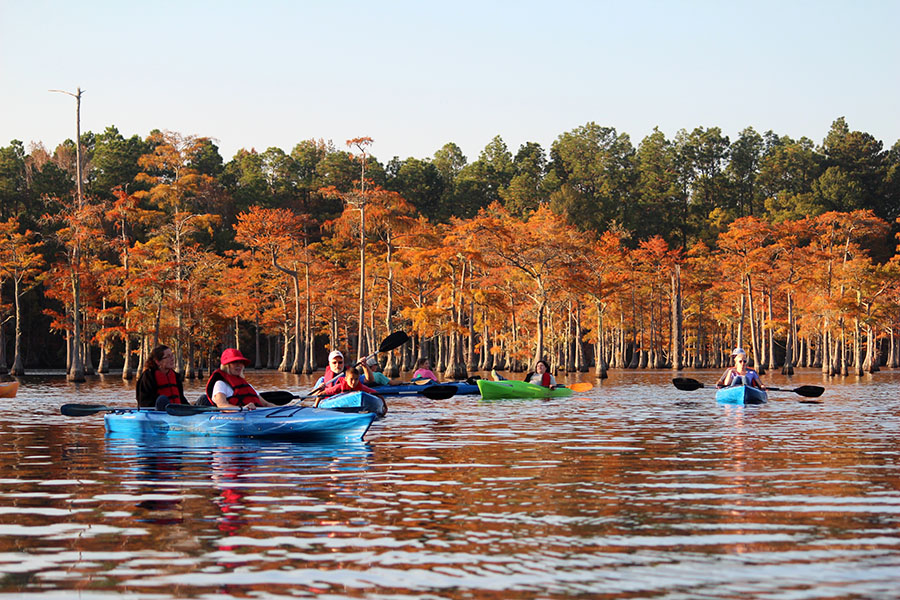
[{"x": 594, "y": 253}]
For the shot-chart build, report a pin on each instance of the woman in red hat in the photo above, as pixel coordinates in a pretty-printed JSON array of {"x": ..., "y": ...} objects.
[{"x": 228, "y": 388}]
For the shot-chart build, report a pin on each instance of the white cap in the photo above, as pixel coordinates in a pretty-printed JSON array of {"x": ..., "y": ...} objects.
[
  {"x": 335, "y": 354},
  {"x": 372, "y": 361},
  {"x": 737, "y": 351}
]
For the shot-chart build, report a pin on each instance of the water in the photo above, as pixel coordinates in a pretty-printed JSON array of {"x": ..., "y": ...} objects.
[{"x": 633, "y": 490}]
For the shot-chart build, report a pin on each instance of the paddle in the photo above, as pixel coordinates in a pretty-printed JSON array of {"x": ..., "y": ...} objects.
[
  {"x": 82, "y": 410},
  {"x": 581, "y": 386},
  {"x": 436, "y": 392},
  {"x": 394, "y": 340},
  {"x": 278, "y": 397},
  {"x": 810, "y": 391}
]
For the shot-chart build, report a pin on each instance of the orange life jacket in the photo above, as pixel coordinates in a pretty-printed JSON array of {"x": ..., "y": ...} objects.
[{"x": 243, "y": 393}]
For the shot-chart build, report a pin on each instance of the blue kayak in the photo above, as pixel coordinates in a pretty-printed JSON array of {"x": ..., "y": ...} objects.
[
  {"x": 741, "y": 394},
  {"x": 359, "y": 402},
  {"x": 298, "y": 423},
  {"x": 413, "y": 389}
]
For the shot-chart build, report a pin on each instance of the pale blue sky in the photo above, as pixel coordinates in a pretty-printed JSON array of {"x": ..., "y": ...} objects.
[{"x": 414, "y": 75}]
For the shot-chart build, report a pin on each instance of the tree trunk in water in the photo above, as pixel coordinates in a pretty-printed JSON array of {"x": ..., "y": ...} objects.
[
  {"x": 18, "y": 367},
  {"x": 788, "y": 367},
  {"x": 754, "y": 334},
  {"x": 285, "y": 351},
  {"x": 257, "y": 364},
  {"x": 602, "y": 367},
  {"x": 580, "y": 363},
  {"x": 677, "y": 322},
  {"x": 297, "y": 366},
  {"x": 870, "y": 364},
  {"x": 76, "y": 371},
  {"x": 471, "y": 363}
]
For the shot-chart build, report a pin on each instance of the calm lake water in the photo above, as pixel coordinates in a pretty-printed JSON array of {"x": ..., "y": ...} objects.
[{"x": 633, "y": 490}]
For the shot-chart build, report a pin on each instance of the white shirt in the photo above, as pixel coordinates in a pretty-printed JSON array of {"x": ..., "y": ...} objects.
[{"x": 222, "y": 387}]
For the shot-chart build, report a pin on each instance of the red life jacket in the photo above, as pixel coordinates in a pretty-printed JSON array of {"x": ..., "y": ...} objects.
[
  {"x": 330, "y": 376},
  {"x": 167, "y": 385},
  {"x": 243, "y": 393},
  {"x": 545, "y": 379}
]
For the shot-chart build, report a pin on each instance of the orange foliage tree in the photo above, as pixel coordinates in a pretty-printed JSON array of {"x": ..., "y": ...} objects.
[{"x": 21, "y": 263}]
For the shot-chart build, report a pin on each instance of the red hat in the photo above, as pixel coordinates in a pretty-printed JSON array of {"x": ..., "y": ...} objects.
[{"x": 233, "y": 355}]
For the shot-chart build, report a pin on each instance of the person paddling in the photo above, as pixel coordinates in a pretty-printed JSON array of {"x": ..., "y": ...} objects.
[
  {"x": 423, "y": 370},
  {"x": 541, "y": 375},
  {"x": 227, "y": 387},
  {"x": 348, "y": 383},
  {"x": 740, "y": 373},
  {"x": 333, "y": 372},
  {"x": 372, "y": 373},
  {"x": 159, "y": 384}
]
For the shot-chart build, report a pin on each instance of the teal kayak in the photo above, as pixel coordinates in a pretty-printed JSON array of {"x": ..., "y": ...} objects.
[
  {"x": 741, "y": 394},
  {"x": 519, "y": 389},
  {"x": 298, "y": 423},
  {"x": 358, "y": 402}
]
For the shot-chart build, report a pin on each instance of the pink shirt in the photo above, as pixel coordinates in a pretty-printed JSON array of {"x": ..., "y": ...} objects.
[{"x": 424, "y": 374}]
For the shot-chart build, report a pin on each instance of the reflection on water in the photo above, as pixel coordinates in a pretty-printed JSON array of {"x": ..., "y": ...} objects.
[{"x": 632, "y": 490}]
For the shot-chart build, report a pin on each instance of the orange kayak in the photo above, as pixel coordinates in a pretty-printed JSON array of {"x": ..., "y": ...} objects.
[{"x": 8, "y": 390}]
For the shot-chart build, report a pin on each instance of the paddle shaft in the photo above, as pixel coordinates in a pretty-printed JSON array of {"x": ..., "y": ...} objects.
[{"x": 810, "y": 391}]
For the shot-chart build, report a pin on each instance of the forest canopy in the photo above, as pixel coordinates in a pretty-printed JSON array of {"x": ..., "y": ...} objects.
[{"x": 592, "y": 253}]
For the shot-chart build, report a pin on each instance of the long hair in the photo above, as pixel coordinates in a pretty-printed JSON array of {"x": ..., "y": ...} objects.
[{"x": 156, "y": 355}]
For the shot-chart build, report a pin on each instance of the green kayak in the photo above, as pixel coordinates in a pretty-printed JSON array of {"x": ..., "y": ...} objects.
[{"x": 518, "y": 389}]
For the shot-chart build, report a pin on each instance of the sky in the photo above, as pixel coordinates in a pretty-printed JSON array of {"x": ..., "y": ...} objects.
[{"x": 417, "y": 74}]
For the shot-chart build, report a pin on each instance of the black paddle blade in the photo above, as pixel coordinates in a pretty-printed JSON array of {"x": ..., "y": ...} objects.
[
  {"x": 687, "y": 384},
  {"x": 395, "y": 340},
  {"x": 82, "y": 410},
  {"x": 278, "y": 397},
  {"x": 810, "y": 391},
  {"x": 438, "y": 391}
]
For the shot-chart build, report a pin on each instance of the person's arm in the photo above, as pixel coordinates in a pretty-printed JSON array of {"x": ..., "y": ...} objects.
[
  {"x": 145, "y": 390},
  {"x": 368, "y": 390},
  {"x": 758, "y": 381},
  {"x": 331, "y": 390},
  {"x": 221, "y": 392},
  {"x": 367, "y": 372},
  {"x": 260, "y": 401},
  {"x": 725, "y": 379}
]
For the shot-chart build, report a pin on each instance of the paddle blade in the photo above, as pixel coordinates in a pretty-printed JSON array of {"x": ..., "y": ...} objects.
[
  {"x": 581, "y": 386},
  {"x": 438, "y": 391},
  {"x": 278, "y": 397},
  {"x": 686, "y": 384},
  {"x": 395, "y": 340},
  {"x": 810, "y": 391},
  {"x": 82, "y": 410}
]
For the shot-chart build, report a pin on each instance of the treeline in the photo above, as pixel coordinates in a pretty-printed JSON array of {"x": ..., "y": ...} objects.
[{"x": 594, "y": 253}]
